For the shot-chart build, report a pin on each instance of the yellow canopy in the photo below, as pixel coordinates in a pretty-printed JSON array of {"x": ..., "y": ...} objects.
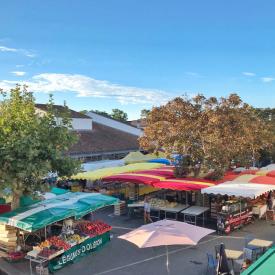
[
  {"x": 105, "y": 172},
  {"x": 136, "y": 157}
]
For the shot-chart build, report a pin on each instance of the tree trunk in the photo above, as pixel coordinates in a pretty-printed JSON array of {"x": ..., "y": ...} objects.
[{"x": 16, "y": 194}]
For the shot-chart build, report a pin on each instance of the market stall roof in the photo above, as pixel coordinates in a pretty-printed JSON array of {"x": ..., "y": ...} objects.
[
  {"x": 61, "y": 207},
  {"x": 182, "y": 184},
  {"x": 94, "y": 165},
  {"x": 239, "y": 189},
  {"x": 255, "y": 179},
  {"x": 105, "y": 172},
  {"x": 167, "y": 171},
  {"x": 148, "y": 179},
  {"x": 268, "y": 173},
  {"x": 136, "y": 157},
  {"x": 269, "y": 167},
  {"x": 156, "y": 180}
]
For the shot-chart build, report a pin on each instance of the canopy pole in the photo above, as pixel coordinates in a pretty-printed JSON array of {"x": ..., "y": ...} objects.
[
  {"x": 240, "y": 209},
  {"x": 167, "y": 260}
]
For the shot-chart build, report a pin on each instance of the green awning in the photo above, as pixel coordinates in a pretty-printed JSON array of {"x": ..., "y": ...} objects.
[
  {"x": 59, "y": 191},
  {"x": 61, "y": 207}
]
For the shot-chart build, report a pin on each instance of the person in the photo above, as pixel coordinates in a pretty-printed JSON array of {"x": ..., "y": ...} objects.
[
  {"x": 147, "y": 210},
  {"x": 269, "y": 201}
]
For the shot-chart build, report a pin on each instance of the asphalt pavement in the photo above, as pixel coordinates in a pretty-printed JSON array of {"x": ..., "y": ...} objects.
[{"x": 120, "y": 257}]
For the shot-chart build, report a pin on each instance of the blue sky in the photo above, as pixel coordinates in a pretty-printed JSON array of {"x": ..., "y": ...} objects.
[{"x": 133, "y": 54}]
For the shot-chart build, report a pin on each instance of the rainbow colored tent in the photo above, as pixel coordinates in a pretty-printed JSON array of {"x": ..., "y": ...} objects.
[
  {"x": 161, "y": 182},
  {"x": 182, "y": 184},
  {"x": 255, "y": 179},
  {"x": 268, "y": 173},
  {"x": 105, "y": 172},
  {"x": 148, "y": 179},
  {"x": 166, "y": 171}
]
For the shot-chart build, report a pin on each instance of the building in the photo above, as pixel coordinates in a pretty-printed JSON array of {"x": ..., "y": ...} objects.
[{"x": 100, "y": 138}]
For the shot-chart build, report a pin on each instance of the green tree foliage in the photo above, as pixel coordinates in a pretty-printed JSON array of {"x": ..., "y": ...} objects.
[
  {"x": 32, "y": 143},
  {"x": 144, "y": 113},
  {"x": 211, "y": 131},
  {"x": 119, "y": 115},
  {"x": 102, "y": 113},
  {"x": 268, "y": 115}
]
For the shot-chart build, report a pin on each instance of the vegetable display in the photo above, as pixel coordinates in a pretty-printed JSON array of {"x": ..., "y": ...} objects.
[
  {"x": 94, "y": 228},
  {"x": 83, "y": 230}
]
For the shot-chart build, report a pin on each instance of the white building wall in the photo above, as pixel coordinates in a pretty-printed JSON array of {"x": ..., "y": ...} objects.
[
  {"x": 82, "y": 124},
  {"x": 114, "y": 124},
  {"x": 79, "y": 124}
]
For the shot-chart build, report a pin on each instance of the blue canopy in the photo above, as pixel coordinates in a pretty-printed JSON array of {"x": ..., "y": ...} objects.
[{"x": 160, "y": 160}]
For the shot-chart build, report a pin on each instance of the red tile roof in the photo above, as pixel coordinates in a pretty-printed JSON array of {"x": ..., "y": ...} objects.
[{"x": 104, "y": 139}]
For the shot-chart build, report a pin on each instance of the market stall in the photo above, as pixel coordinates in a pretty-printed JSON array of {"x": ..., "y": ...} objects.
[
  {"x": 160, "y": 206},
  {"x": 62, "y": 234},
  {"x": 163, "y": 178},
  {"x": 232, "y": 202}
]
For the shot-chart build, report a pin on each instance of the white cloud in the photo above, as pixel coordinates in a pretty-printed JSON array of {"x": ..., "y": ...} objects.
[
  {"x": 20, "y": 51},
  {"x": 267, "y": 79},
  {"x": 6, "y": 49},
  {"x": 19, "y": 66},
  {"x": 192, "y": 74},
  {"x": 19, "y": 73},
  {"x": 85, "y": 86},
  {"x": 248, "y": 74}
]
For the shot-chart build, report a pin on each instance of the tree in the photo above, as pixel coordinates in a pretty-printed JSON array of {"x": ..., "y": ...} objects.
[
  {"x": 119, "y": 115},
  {"x": 102, "y": 113},
  {"x": 144, "y": 113},
  {"x": 31, "y": 145},
  {"x": 268, "y": 115},
  {"x": 211, "y": 132}
]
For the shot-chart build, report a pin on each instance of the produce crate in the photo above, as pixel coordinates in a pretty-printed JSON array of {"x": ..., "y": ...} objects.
[
  {"x": 120, "y": 208},
  {"x": 8, "y": 238}
]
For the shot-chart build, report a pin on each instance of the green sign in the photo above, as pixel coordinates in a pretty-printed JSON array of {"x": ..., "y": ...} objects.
[{"x": 78, "y": 251}]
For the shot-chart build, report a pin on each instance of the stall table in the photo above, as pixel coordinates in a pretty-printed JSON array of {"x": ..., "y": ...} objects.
[
  {"x": 38, "y": 260},
  {"x": 233, "y": 255},
  {"x": 265, "y": 265},
  {"x": 174, "y": 210},
  {"x": 264, "y": 244},
  {"x": 141, "y": 205},
  {"x": 194, "y": 211}
]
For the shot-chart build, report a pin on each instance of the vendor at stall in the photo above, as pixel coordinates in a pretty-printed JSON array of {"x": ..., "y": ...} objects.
[
  {"x": 269, "y": 201},
  {"x": 147, "y": 210}
]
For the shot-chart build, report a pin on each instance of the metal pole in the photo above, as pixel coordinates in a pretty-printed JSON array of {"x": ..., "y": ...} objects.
[{"x": 167, "y": 260}]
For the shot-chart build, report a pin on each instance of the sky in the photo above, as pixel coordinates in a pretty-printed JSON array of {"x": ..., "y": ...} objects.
[{"x": 135, "y": 54}]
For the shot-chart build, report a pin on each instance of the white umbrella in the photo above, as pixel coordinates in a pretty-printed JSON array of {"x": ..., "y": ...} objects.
[{"x": 166, "y": 232}]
